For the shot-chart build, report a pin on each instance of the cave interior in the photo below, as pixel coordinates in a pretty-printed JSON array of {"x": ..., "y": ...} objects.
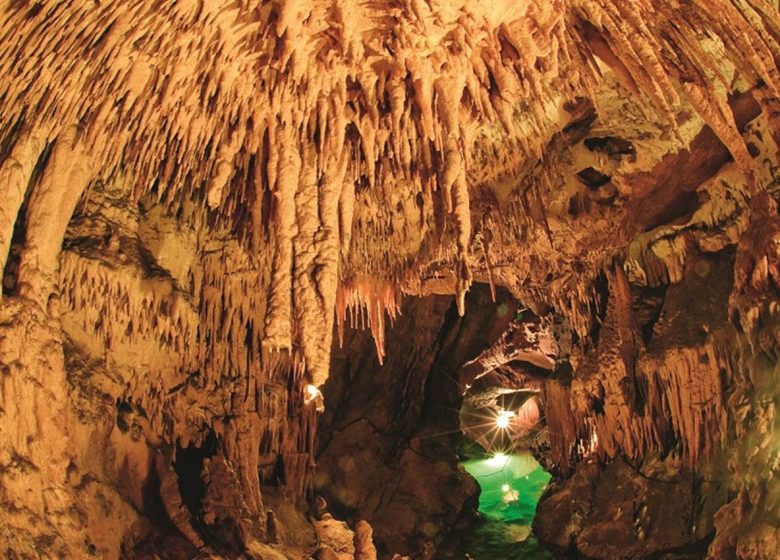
[{"x": 390, "y": 279}]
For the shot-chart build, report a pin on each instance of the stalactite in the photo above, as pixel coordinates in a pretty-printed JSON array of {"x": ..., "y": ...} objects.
[
  {"x": 15, "y": 174},
  {"x": 506, "y": 50},
  {"x": 129, "y": 308},
  {"x": 50, "y": 207},
  {"x": 279, "y": 318},
  {"x": 463, "y": 221},
  {"x": 366, "y": 301}
]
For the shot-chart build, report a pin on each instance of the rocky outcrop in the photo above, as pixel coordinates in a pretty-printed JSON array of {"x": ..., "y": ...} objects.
[
  {"x": 748, "y": 526},
  {"x": 667, "y": 365},
  {"x": 620, "y": 511}
]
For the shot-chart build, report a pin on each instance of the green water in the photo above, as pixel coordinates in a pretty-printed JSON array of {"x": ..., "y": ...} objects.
[
  {"x": 493, "y": 540},
  {"x": 510, "y": 489},
  {"x": 511, "y": 486}
]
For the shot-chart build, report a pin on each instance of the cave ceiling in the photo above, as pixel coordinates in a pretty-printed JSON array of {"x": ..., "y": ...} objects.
[{"x": 397, "y": 140}]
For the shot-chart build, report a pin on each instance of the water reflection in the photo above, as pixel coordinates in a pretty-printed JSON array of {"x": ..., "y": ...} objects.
[{"x": 510, "y": 486}]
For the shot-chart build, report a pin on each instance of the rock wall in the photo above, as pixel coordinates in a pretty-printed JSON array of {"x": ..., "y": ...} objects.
[
  {"x": 663, "y": 385},
  {"x": 641, "y": 427},
  {"x": 150, "y": 351}
]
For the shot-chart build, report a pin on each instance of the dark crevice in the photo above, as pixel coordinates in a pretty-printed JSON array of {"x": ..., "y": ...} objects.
[
  {"x": 583, "y": 116},
  {"x": 11, "y": 271},
  {"x": 601, "y": 289},
  {"x": 439, "y": 384},
  {"x": 647, "y": 306},
  {"x": 610, "y": 145},
  {"x": 593, "y": 178},
  {"x": 188, "y": 466}
]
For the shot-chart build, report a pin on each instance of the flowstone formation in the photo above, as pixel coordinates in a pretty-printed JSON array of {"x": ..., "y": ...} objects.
[{"x": 200, "y": 200}]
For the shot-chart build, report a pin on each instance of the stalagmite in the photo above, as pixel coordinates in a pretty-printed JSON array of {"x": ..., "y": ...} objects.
[{"x": 364, "y": 545}]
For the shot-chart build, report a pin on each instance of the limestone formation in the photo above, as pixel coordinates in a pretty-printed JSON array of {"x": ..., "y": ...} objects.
[{"x": 567, "y": 209}]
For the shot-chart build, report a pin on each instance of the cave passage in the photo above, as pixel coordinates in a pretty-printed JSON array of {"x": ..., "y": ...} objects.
[{"x": 511, "y": 485}]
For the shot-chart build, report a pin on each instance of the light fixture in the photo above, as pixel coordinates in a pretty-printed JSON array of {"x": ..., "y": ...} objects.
[
  {"x": 505, "y": 488},
  {"x": 503, "y": 418},
  {"x": 311, "y": 393}
]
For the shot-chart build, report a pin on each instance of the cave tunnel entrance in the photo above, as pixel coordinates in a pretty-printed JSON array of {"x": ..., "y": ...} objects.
[
  {"x": 503, "y": 429},
  {"x": 510, "y": 485},
  {"x": 397, "y": 441},
  {"x": 510, "y": 488},
  {"x": 504, "y": 432}
]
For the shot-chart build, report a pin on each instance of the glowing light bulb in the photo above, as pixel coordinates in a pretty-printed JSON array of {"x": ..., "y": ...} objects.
[
  {"x": 503, "y": 418},
  {"x": 505, "y": 488},
  {"x": 497, "y": 460},
  {"x": 311, "y": 393}
]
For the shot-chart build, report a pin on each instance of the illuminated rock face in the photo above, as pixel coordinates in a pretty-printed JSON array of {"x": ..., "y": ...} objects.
[{"x": 198, "y": 198}]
